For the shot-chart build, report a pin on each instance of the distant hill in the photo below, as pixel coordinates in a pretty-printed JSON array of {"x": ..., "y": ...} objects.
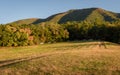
[
  {"x": 29, "y": 21},
  {"x": 88, "y": 14}
]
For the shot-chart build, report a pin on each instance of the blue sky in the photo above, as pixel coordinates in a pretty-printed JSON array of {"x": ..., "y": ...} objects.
[{"x": 12, "y": 10}]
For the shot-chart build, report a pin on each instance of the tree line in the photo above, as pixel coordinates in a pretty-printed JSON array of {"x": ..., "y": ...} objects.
[
  {"x": 23, "y": 35},
  {"x": 46, "y": 32},
  {"x": 102, "y": 31}
]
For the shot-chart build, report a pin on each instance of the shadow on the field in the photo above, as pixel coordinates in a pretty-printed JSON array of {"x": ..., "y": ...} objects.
[{"x": 14, "y": 61}]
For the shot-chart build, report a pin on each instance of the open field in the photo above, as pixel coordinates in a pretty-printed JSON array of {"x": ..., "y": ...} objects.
[{"x": 69, "y": 58}]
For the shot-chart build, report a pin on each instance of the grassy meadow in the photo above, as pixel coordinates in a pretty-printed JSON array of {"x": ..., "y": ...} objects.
[{"x": 65, "y": 58}]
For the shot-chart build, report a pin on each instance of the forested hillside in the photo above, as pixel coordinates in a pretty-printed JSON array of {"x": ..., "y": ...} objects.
[{"x": 83, "y": 24}]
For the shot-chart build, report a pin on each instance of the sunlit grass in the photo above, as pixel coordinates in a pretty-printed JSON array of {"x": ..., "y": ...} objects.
[{"x": 70, "y": 58}]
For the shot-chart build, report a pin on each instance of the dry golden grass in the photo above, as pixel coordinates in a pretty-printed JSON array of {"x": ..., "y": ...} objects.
[{"x": 70, "y": 58}]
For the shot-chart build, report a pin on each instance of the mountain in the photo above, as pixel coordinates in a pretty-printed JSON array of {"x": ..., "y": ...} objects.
[
  {"x": 88, "y": 14},
  {"x": 29, "y": 21}
]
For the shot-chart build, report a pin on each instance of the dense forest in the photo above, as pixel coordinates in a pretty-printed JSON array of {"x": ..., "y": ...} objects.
[
  {"x": 23, "y": 35},
  {"x": 85, "y": 24}
]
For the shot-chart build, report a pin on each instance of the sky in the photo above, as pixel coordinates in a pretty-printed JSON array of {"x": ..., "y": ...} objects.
[{"x": 13, "y": 10}]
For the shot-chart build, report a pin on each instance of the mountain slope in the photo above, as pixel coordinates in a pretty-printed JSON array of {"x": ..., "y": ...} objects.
[
  {"x": 88, "y": 14},
  {"x": 56, "y": 18},
  {"x": 29, "y": 21}
]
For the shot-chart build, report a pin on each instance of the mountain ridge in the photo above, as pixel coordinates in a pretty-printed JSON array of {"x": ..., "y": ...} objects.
[{"x": 87, "y": 14}]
